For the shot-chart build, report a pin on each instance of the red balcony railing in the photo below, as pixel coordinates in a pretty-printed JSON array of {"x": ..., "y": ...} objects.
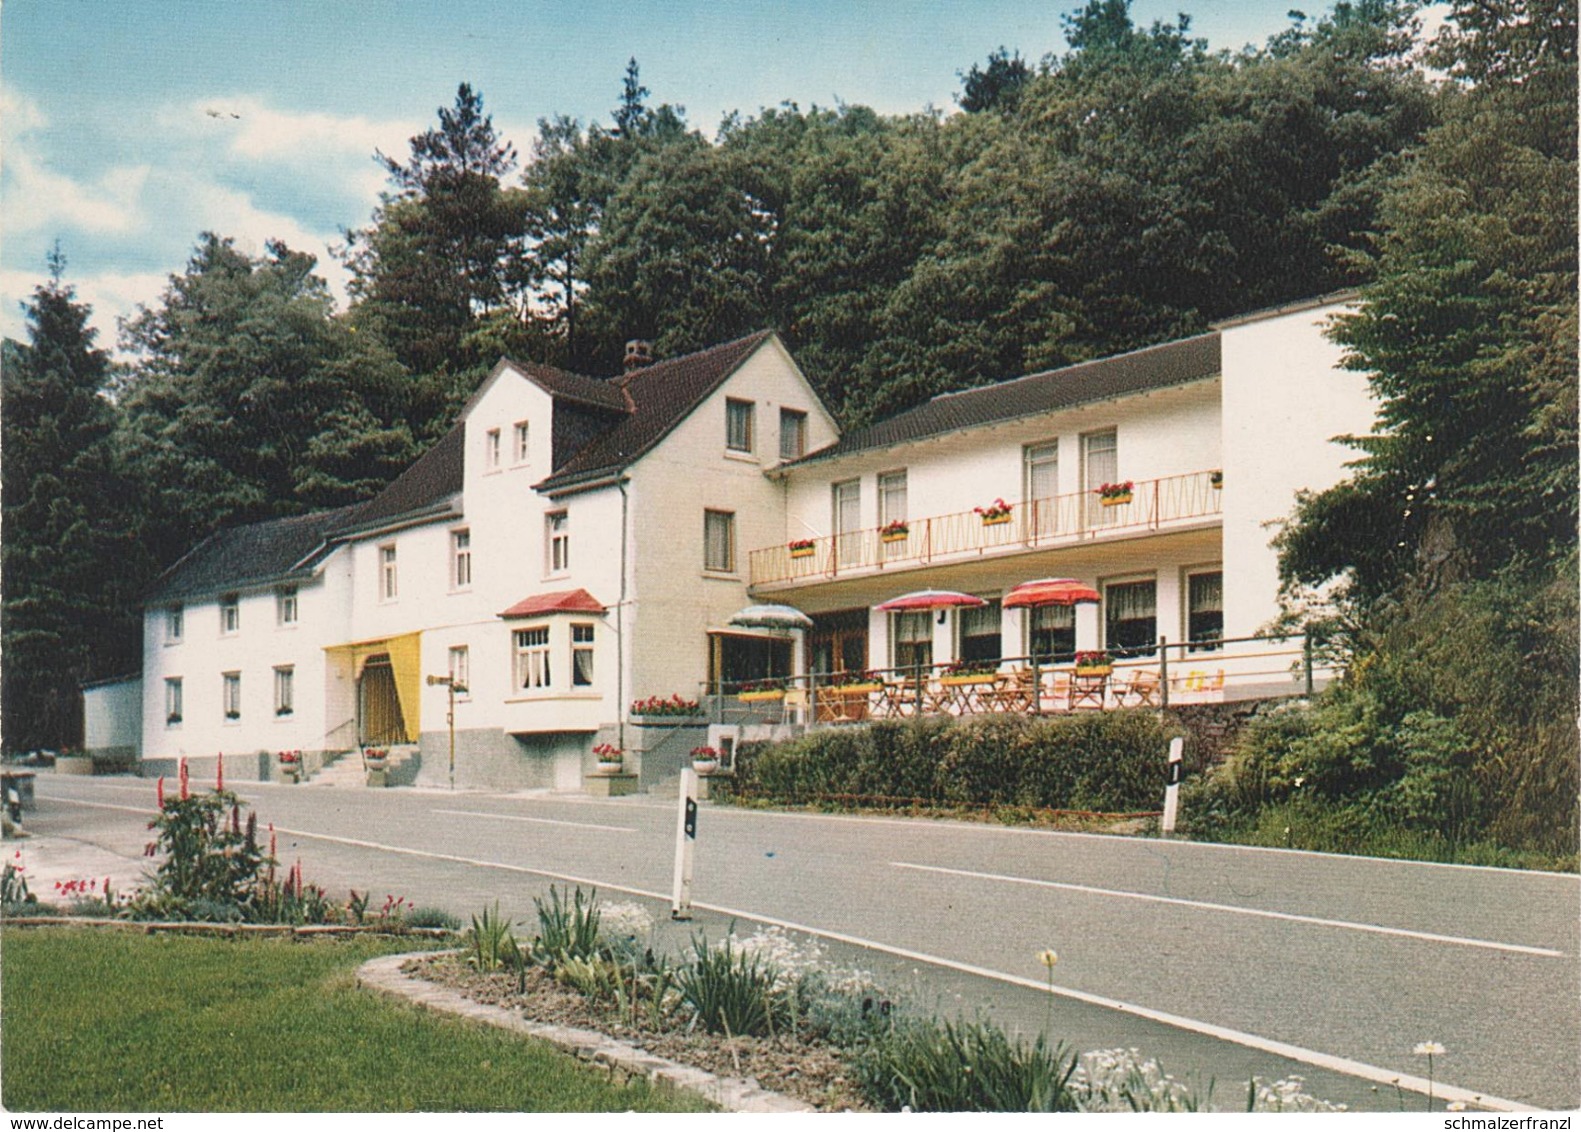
[{"x": 1057, "y": 521}]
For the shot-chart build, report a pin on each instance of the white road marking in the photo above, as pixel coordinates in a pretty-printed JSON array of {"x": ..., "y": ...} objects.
[
  {"x": 538, "y": 821},
  {"x": 1345, "y": 1065},
  {"x": 1211, "y": 907}
]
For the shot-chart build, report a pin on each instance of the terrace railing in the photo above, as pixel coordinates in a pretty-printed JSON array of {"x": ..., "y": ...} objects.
[
  {"x": 1059, "y": 520},
  {"x": 1164, "y": 675}
]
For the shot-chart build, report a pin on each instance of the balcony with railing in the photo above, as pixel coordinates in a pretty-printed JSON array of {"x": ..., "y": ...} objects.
[{"x": 1172, "y": 502}]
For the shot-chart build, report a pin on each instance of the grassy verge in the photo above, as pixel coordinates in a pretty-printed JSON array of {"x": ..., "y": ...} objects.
[
  {"x": 112, "y": 1021},
  {"x": 1329, "y": 828}
]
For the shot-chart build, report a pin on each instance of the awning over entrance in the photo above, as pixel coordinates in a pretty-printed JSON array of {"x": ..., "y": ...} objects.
[{"x": 406, "y": 661}]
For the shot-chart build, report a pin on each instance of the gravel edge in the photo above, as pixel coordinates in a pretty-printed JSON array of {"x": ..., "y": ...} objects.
[{"x": 734, "y": 1094}]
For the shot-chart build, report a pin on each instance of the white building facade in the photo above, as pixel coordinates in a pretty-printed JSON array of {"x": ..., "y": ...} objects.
[{"x": 575, "y": 546}]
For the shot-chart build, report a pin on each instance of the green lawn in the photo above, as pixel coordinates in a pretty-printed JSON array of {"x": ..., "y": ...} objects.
[{"x": 119, "y": 1022}]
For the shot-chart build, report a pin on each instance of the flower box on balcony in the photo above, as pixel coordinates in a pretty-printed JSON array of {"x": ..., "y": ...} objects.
[
  {"x": 962, "y": 680},
  {"x": 1094, "y": 669},
  {"x": 857, "y": 689},
  {"x": 996, "y": 512},
  {"x": 995, "y": 520},
  {"x": 761, "y": 697},
  {"x": 1115, "y": 500},
  {"x": 1216, "y": 480},
  {"x": 894, "y": 536},
  {"x": 802, "y": 551},
  {"x": 1114, "y": 494}
]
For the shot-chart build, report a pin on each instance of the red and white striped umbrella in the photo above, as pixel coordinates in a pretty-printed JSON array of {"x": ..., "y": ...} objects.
[
  {"x": 1049, "y": 591},
  {"x": 930, "y": 599}
]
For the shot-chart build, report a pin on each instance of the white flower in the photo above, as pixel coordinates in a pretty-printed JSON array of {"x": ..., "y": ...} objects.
[
  {"x": 1048, "y": 958},
  {"x": 1428, "y": 1049}
]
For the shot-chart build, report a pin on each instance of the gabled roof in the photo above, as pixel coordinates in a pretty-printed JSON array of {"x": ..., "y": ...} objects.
[
  {"x": 424, "y": 488},
  {"x": 575, "y": 387},
  {"x": 566, "y": 601},
  {"x": 660, "y": 397},
  {"x": 258, "y": 554},
  {"x": 1155, "y": 367}
]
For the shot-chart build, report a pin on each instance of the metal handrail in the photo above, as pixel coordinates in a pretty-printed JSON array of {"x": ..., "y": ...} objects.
[{"x": 1033, "y": 524}]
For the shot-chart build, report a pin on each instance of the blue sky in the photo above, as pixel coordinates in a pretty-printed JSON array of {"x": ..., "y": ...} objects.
[{"x": 129, "y": 126}]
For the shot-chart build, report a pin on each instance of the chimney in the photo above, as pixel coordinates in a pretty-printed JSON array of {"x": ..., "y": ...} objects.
[{"x": 639, "y": 353}]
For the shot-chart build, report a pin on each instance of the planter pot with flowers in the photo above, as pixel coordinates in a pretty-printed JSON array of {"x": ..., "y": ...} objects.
[
  {"x": 1093, "y": 664},
  {"x": 995, "y": 513},
  {"x": 761, "y": 691},
  {"x": 802, "y": 548},
  {"x": 1115, "y": 494},
  {"x": 706, "y": 760},
  {"x": 898, "y": 531},
  {"x": 288, "y": 765},
  {"x": 610, "y": 758},
  {"x": 1216, "y": 479}
]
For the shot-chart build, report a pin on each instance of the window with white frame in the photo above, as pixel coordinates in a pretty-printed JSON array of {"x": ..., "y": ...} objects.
[
  {"x": 738, "y": 425},
  {"x": 230, "y": 614},
  {"x": 979, "y": 635},
  {"x": 793, "y": 434},
  {"x": 1040, "y": 487},
  {"x": 719, "y": 541},
  {"x": 460, "y": 559},
  {"x": 172, "y": 701},
  {"x": 491, "y": 450},
  {"x": 284, "y": 690},
  {"x": 519, "y": 449},
  {"x": 1051, "y": 630},
  {"x": 231, "y": 695},
  {"x": 460, "y": 669},
  {"x": 1100, "y": 465},
  {"x": 892, "y": 511},
  {"x": 285, "y": 605},
  {"x": 911, "y": 639},
  {"x": 173, "y": 625},
  {"x": 557, "y": 542},
  {"x": 846, "y": 500},
  {"x": 387, "y": 578},
  {"x": 1130, "y": 618},
  {"x": 532, "y": 658},
  {"x": 1205, "y": 610},
  {"x": 582, "y": 655}
]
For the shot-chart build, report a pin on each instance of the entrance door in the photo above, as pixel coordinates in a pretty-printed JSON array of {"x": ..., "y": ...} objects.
[
  {"x": 837, "y": 642},
  {"x": 379, "y": 722}
]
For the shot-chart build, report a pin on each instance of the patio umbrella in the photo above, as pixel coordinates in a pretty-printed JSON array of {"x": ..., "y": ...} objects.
[
  {"x": 1049, "y": 591},
  {"x": 929, "y": 599},
  {"x": 771, "y": 617}
]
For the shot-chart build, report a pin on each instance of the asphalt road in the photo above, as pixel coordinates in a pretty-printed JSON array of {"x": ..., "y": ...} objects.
[{"x": 1221, "y": 961}]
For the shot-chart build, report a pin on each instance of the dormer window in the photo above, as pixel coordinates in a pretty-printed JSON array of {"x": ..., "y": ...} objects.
[
  {"x": 491, "y": 450},
  {"x": 285, "y": 605},
  {"x": 738, "y": 426}
]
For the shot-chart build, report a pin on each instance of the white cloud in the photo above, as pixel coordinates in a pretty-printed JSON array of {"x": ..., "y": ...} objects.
[
  {"x": 37, "y": 197},
  {"x": 20, "y": 113}
]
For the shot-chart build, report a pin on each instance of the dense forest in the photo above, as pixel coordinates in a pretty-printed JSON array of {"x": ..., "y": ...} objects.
[{"x": 1127, "y": 191}]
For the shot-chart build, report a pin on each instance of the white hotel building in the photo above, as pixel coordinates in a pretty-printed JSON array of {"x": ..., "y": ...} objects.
[{"x": 575, "y": 545}]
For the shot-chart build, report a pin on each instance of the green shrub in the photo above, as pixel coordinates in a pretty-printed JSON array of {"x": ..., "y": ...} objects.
[
  {"x": 1109, "y": 761},
  {"x": 567, "y": 930},
  {"x": 433, "y": 918},
  {"x": 943, "y": 1066},
  {"x": 491, "y": 941},
  {"x": 731, "y": 991}
]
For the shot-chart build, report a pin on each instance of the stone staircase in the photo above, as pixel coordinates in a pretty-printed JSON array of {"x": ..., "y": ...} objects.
[{"x": 347, "y": 772}]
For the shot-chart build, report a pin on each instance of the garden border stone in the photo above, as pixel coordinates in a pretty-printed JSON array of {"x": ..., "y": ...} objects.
[{"x": 735, "y": 1094}]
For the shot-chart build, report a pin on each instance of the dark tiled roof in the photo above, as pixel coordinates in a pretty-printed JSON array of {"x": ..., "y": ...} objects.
[
  {"x": 575, "y": 387},
  {"x": 423, "y": 487},
  {"x": 257, "y": 554},
  {"x": 1155, "y": 367},
  {"x": 661, "y": 395}
]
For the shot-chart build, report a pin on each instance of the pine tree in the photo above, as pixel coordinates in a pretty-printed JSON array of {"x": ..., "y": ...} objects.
[{"x": 71, "y": 565}]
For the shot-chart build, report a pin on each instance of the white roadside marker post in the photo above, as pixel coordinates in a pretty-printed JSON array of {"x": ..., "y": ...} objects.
[
  {"x": 685, "y": 839},
  {"x": 1172, "y": 786}
]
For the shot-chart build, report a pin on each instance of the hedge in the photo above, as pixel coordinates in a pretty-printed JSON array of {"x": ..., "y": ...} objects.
[{"x": 1111, "y": 762}]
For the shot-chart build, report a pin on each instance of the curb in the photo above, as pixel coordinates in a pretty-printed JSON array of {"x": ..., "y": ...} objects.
[{"x": 734, "y": 1094}]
